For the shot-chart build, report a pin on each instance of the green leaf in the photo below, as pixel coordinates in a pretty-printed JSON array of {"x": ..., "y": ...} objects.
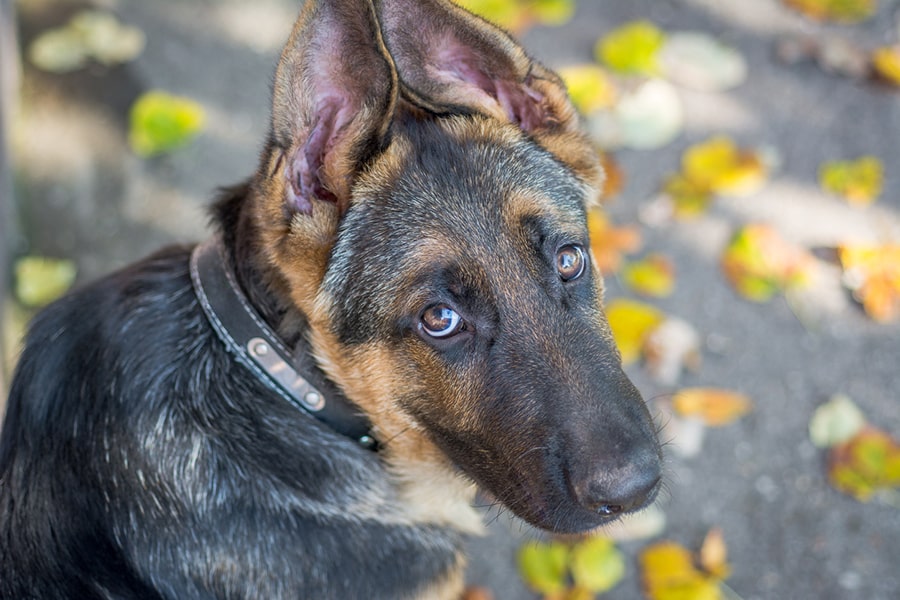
[
  {"x": 544, "y": 566},
  {"x": 40, "y": 281},
  {"x": 161, "y": 122},
  {"x": 596, "y": 564},
  {"x": 632, "y": 48}
]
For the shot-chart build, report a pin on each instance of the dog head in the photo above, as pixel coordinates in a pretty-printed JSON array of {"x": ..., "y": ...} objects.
[{"x": 423, "y": 203}]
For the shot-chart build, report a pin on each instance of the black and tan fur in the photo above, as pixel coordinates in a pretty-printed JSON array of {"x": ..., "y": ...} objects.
[{"x": 417, "y": 158}]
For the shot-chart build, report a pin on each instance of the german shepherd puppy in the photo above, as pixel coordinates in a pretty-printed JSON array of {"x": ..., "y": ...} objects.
[{"x": 399, "y": 304}]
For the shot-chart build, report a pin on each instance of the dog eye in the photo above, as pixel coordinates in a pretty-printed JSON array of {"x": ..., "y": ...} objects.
[
  {"x": 441, "y": 321},
  {"x": 570, "y": 262}
]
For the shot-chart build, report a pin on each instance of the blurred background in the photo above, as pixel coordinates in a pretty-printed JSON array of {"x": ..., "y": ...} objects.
[{"x": 749, "y": 232}]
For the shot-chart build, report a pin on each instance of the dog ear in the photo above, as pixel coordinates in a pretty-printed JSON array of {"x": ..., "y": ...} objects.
[
  {"x": 448, "y": 59},
  {"x": 334, "y": 96}
]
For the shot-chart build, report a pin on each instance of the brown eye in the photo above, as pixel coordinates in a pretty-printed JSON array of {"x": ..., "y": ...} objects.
[
  {"x": 570, "y": 262},
  {"x": 441, "y": 321}
]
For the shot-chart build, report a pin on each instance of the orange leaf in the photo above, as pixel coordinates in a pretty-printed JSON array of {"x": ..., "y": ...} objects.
[
  {"x": 841, "y": 11},
  {"x": 873, "y": 273},
  {"x": 609, "y": 243},
  {"x": 714, "y": 554},
  {"x": 615, "y": 177},
  {"x": 714, "y": 406}
]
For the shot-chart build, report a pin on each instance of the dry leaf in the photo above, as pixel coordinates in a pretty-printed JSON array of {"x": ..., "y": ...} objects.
[
  {"x": 886, "y": 62},
  {"x": 668, "y": 573},
  {"x": 590, "y": 88},
  {"x": 631, "y": 323},
  {"x": 858, "y": 181},
  {"x": 866, "y": 465},
  {"x": 714, "y": 554},
  {"x": 688, "y": 198},
  {"x": 609, "y": 243},
  {"x": 715, "y": 407},
  {"x": 652, "y": 276},
  {"x": 721, "y": 167},
  {"x": 873, "y": 273},
  {"x": 614, "y": 177},
  {"x": 840, "y": 11},
  {"x": 759, "y": 263},
  {"x": 671, "y": 347},
  {"x": 632, "y": 48},
  {"x": 699, "y": 61}
]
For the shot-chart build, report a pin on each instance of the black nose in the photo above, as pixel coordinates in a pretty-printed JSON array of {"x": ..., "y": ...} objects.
[{"x": 610, "y": 488}]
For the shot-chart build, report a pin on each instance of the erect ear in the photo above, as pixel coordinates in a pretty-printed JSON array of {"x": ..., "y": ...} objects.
[
  {"x": 449, "y": 59},
  {"x": 334, "y": 96}
]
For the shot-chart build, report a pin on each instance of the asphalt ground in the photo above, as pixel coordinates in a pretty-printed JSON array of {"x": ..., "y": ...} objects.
[{"x": 80, "y": 193}]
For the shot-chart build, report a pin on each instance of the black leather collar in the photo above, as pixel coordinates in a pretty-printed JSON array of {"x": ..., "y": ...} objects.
[{"x": 296, "y": 378}]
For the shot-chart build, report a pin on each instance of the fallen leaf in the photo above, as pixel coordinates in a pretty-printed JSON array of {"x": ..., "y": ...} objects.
[
  {"x": 670, "y": 348},
  {"x": 701, "y": 62},
  {"x": 652, "y": 276},
  {"x": 714, "y": 554},
  {"x": 840, "y": 11},
  {"x": 721, "y": 167},
  {"x": 668, "y": 573},
  {"x": 715, "y": 407},
  {"x": 161, "y": 122},
  {"x": 544, "y": 567},
  {"x": 596, "y": 564},
  {"x": 865, "y": 465},
  {"x": 858, "y": 181},
  {"x": 614, "y": 177},
  {"x": 39, "y": 280},
  {"x": 90, "y": 34},
  {"x": 519, "y": 15},
  {"x": 106, "y": 39},
  {"x": 759, "y": 263},
  {"x": 688, "y": 198},
  {"x": 632, "y": 48},
  {"x": 835, "y": 422},
  {"x": 477, "y": 593},
  {"x": 886, "y": 62},
  {"x": 590, "y": 88},
  {"x": 647, "y": 116},
  {"x": 631, "y": 323},
  {"x": 873, "y": 274},
  {"x": 609, "y": 243}
]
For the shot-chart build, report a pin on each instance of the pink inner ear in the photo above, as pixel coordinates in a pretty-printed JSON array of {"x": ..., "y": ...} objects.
[
  {"x": 305, "y": 172},
  {"x": 456, "y": 64}
]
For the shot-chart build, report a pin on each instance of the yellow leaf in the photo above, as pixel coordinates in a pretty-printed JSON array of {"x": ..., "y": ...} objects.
[
  {"x": 858, "y": 181},
  {"x": 668, "y": 573},
  {"x": 653, "y": 276},
  {"x": 713, "y": 406},
  {"x": 505, "y": 13},
  {"x": 873, "y": 273},
  {"x": 609, "y": 243},
  {"x": 40, "y": 281},
  {"x": 759, "y": 263},
  {"x": 720, "y": 166},
  {"x": 544, "y": 566},
  {"x": 632, "y": 323},
  {"x": 596, "y": 564},
  {"x": 841, "y": 11},
  {"x": 590, "y": 88},
  {"x": 864, "y": 465},
  {"x": 886, "y": 62},
  {"x": 689, "y": 198},
  {"x": 632, "y": 48},
  {"x": 160, "y": 122}
]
